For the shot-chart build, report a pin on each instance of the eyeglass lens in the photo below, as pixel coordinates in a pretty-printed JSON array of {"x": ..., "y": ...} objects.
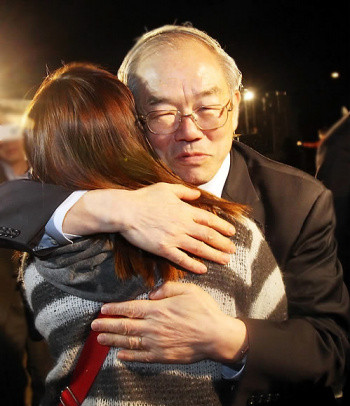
[{"x": 206, "y": 118}]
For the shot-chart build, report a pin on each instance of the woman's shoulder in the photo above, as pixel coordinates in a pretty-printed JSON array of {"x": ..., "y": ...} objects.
[{"x": 248, "y": 234}]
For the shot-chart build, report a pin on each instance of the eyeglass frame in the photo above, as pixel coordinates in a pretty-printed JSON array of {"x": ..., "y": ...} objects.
[{"x": 143, "y": 117}]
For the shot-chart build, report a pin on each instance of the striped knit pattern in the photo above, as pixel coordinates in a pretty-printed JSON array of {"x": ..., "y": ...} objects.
[{"x": 250, "y": 286}]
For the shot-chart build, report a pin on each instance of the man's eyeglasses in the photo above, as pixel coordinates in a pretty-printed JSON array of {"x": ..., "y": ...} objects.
[{"x": 164, "y": 122}]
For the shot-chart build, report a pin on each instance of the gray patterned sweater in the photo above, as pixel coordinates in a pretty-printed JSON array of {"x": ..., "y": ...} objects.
[{"x": 66, "y": 290}]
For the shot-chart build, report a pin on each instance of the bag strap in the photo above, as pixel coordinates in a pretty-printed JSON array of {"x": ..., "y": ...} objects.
[{"x": 89, "y": 363}]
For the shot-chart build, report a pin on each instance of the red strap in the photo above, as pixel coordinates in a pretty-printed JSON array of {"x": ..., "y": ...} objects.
[{"x": 89, "y": 363}]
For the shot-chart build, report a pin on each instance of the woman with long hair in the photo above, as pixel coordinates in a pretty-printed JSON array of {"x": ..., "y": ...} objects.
[{"x": 82, "y": 132}]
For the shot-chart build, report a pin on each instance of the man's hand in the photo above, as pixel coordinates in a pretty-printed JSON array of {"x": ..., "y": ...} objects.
[
  {"x": 181, "y": 324},
  {"x": 157, "y": 219}
]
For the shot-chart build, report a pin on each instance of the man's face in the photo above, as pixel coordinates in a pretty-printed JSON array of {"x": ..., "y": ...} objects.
[
  {"x": 185, "y": 79},
  {"x": 11, "y": 152}
]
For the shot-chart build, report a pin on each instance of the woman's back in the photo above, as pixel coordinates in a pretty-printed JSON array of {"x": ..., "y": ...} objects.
[{"x": 67, "y": 289}]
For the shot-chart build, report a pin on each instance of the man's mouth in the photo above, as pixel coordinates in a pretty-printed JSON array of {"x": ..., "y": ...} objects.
[{"x": 191, "y": 158}]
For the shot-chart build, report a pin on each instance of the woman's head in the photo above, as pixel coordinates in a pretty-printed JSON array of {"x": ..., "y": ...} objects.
[{"x": 81, "y": 131}]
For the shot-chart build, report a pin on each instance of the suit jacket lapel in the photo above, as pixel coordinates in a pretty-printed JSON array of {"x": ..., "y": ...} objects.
[{"x": 239, "y": 187}]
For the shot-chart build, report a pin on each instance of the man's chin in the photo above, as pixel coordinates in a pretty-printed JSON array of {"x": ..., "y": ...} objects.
[{"x": 194, "y": 177}]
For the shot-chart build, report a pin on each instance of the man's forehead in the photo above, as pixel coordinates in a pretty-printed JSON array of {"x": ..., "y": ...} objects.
[
  {"x": 167, "y": 62},
  {"x": 163, "y": 80}
]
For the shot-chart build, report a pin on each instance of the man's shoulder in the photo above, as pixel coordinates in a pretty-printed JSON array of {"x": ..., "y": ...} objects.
[
  {"x": 282, "y": 198},
  {"x": 266, "y": 172}
]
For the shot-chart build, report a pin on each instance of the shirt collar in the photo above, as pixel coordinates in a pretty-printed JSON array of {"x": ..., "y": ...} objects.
[{"x": 216, "y": 185}]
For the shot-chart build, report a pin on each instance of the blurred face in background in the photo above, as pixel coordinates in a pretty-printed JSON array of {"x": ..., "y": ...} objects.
[{"x": 12, "y": 152}]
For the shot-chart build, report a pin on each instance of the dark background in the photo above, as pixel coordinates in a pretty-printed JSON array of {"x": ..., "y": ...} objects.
[{"x": 290, "y": 46}]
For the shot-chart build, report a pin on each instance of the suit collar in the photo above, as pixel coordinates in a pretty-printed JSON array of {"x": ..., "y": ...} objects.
[{"x": 239, "y": 186}]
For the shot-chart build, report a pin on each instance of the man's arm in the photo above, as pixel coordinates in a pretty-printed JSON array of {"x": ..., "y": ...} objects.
[
  {"x": 25, "y": 208},
  {"x": 158, "y": 219},
  {"x": 311, "y": 345},
  {"x": 308, "y": 348},
  {"x": 155, "y": 218}
]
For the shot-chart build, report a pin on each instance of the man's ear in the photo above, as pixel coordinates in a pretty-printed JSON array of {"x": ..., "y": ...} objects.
[{"x": 236, "y": 99}]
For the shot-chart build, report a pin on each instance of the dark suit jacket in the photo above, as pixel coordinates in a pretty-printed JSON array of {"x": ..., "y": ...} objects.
[{"x": 296, "y": 214}]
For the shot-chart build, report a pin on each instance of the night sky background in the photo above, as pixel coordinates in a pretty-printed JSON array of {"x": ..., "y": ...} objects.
[{"x": 290, "y": 46}]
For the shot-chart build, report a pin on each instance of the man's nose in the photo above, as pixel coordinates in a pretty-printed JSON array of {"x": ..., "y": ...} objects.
[{"x": 188, "y": 130}]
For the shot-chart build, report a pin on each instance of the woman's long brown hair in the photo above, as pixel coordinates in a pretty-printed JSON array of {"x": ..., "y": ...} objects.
[{"x": 82, "y": 133}]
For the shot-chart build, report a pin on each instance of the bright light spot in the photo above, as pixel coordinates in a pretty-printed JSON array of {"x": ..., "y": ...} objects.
[
  {"x": 248, "y": 95},
  {"x": 335, "y": 75}
]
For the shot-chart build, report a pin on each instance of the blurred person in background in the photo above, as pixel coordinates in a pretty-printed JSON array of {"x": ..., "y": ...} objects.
[
  {"x": 13, "y": 324},
  {"x": 333, "y": 169},
  {"x": 23, "y": 354}
]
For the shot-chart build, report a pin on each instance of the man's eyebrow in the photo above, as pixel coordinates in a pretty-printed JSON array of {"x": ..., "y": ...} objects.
[
  {"x": 208, "y": 92},
  {"x": 153, "y": 100}
]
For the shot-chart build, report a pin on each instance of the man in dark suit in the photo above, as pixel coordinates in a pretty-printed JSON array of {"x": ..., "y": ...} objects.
[
  {"x": 13, "y": 324},
  {"x": 187, "y": 94},
  {"x": 21, "y": 357},
  {"x": 333, "y": 170},
  {"x": 13, "y": 329}
]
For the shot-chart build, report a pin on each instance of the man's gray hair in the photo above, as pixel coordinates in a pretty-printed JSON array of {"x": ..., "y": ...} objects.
[{"x": 170, "y": 36}]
